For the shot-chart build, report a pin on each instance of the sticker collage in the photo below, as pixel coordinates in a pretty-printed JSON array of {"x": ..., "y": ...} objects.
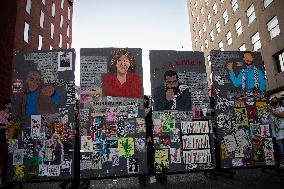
[
  {"x": 241, "y": 109},
  {"x": 181, "y": 118},
  {"x": 112, "y": 124},
  {"x": 43, "y": 101}
]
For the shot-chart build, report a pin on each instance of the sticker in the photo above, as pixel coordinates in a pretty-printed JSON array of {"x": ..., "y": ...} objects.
[
  {"x": 132, "y": 165},
  {"x": 19, "y": 173},
  {"x": 241, "y": 117},
  {"x": 237, "y": 162},
  {"x": 230, "y": 143},
  {"x": 157, "y": 130},
  {"x": 37, "y": 132},
  {"x": 18, "y": 157},
  {"x": 64, "y": 61},
  {"x": 242, "y": 139},
  {"x": 140, "y": 144},
  {"x": 17, "y": 86},
  {"x": 175, "y": 155},
  {"x": 125, "y": 147},
  {"x": 196, "y": 156},
  {"x": 195, "y": 141},
  {"x": 85, "y": 97},
  {"x": 132, "y": 111},
  {"x": 66, "y": 166},
  {"x": 111, "y": 114},
  {"x": 168, "y": 121},
  {"x": 86, "y": 144},
  {"x": 264, "y": 131},
  {"x": 189, "y": 127},
  {"x": 165, "y": 141},
  {"x": 162, "y": 160}
]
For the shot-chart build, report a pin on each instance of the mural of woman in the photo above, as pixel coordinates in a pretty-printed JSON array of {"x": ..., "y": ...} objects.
[{"x": 122, "y": 81}]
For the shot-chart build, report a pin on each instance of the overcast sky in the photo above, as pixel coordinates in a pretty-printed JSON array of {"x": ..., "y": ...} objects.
[{"x": 146, "y": 24}]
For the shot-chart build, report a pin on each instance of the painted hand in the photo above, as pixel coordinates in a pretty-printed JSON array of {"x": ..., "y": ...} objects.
[
  {"x": 170, "y": 94},
  {"x": 48, "y": 90}
]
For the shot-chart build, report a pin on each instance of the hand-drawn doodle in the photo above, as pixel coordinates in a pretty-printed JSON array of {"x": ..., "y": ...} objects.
[
  {"x": 125, "y": 147},
  {"x": 162, "y": 160},
  {"x": 264, "y": 131},
  {"x": 53, "y": 170},
  {"x": 175, "y": 155},
  {"x": 129, "y": 127},
  {"x": 19, "y": 173},
  {"x": 37, "y": 132}
]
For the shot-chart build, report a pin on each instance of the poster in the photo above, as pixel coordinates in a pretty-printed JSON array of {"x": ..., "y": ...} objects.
[
  {"x": 43, "y": 100},
  {"x": 112, "y": 119},
  {"x": 181, "y": 112},
  {"x": 241, "y": 109}
]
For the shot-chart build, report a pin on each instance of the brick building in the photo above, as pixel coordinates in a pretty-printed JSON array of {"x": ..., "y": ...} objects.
[
  {"x": 27, "y": 25},
  {"x": 253, "y": 25}
]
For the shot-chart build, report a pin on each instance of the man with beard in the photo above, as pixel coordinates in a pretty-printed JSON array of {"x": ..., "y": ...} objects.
[
  {"x": 172, "y": 95},
  {"x": 250, "y": 77}
]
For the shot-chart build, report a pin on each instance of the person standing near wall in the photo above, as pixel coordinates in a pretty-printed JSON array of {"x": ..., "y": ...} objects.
[{"x": 277, "y": 126}]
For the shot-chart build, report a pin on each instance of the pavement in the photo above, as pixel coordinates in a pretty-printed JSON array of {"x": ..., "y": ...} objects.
[{"x": 245, "y": 178}]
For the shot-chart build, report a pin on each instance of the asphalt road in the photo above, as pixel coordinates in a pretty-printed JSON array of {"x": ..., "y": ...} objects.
[{"x": 249, "y": 179}]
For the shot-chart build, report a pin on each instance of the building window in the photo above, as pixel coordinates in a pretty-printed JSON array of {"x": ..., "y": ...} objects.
[
  {"x": 196, "y": 5},
  {"x": 192, "y": 12},
  {"x": 243, "y": 47},
  {"x": 209, "y": 18},
  {"x": 215, "y": 8},
  {"x": 235, "y": 5},
  {"x": 53, "y": 10},
  {"x": 62, "y": 4},
  {"x": 199, "y": 34},
  {"x": 279, "y": 57},
  {"x": 194, "y": 27},
  {"x": 222, "y": 1},
  {"x": 51, "y": 31},
  {"x": 204, "y": 27},
  {"x": 229, "y": 38},
  {"x": 218, "y": 27},
  {"x": 60, "y": 41},
  {"x": 212, "y": 35},
  {"x": 67, "y": 45},
  {"x": 201, "y": 48},
  {"x": 68, "y": 31},
  {"x": 50, "y": 47},
  {"x": 266, "y": 3},
  {"x": 61, "y": 21},
  {"x": 197, "y": 19},
  {"x": 221, "y": 46},
  {"x": 206, "y": 43},
  {"x": 43, "y": 2},
  {"x": 26, "y": 32},
  {"x": 273, "y": 27},
  {"x": 41, "y": 20},
  {"x": 202, "y": 11},
  {"x": 206, "y": 3},
  {"x": 251, "y": 14},
  {"x": 225, "y": 16},
  {"x": 239, "y": 27},
  {"x": 28, "y": 6},
  {"x": 39, "y": 42},
  {"x": 255, "y": 40}
]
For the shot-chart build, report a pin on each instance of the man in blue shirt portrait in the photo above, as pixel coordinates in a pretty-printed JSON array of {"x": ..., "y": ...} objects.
[
  {"x": 250, "y": 77},
  {"x": 38, "y": 99}
]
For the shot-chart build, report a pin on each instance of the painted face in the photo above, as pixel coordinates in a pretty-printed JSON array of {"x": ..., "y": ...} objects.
[
  {"x": 248, "y": 58},
  {"x": 33, "y": 82},
  {"x": 122, "y": 64}
]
